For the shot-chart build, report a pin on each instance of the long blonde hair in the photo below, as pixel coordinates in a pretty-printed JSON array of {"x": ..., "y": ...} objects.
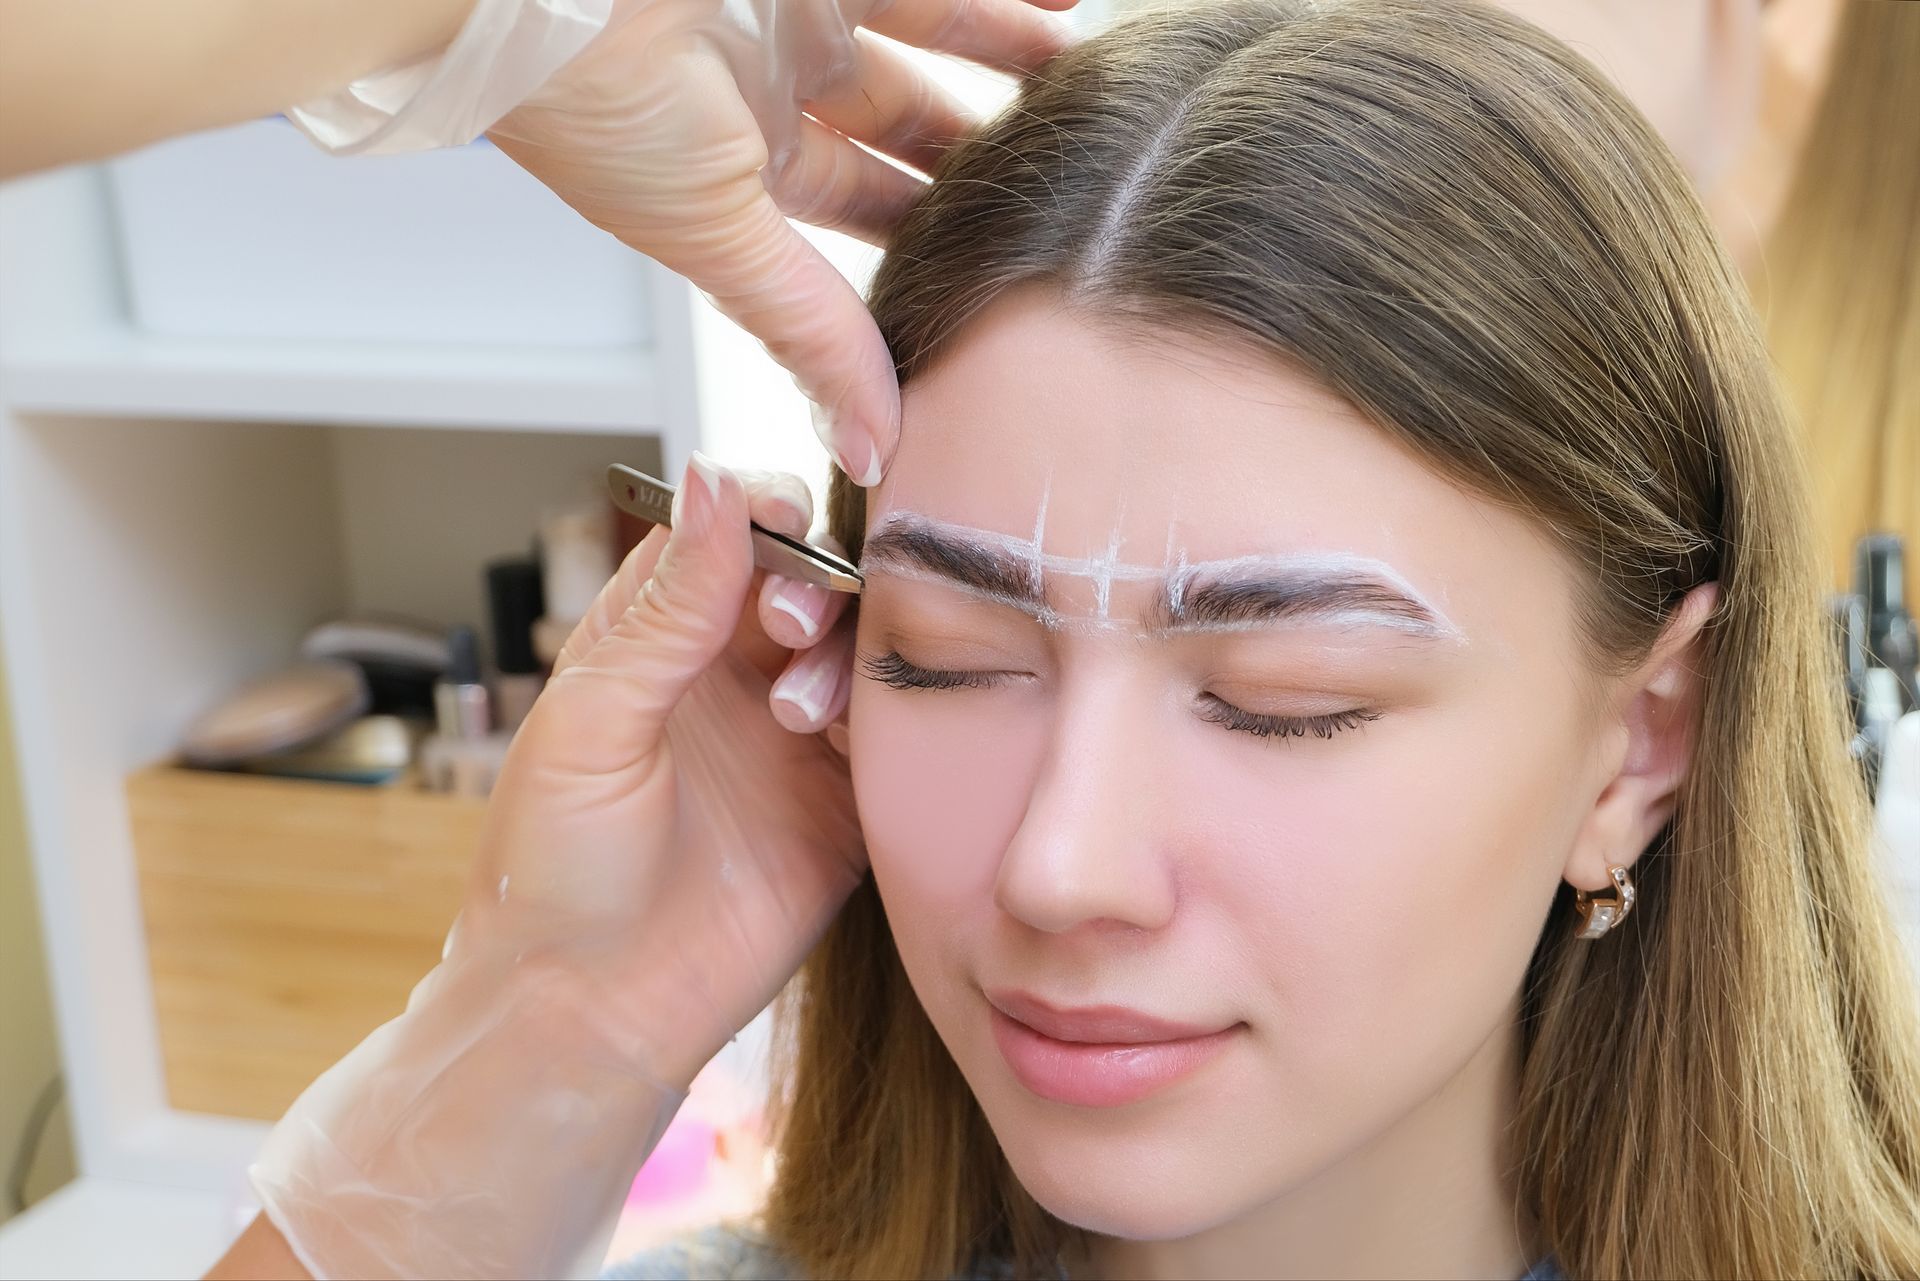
[
  {"x": 1448, "y": 218},
  {"x": 1840, "y": 285}
]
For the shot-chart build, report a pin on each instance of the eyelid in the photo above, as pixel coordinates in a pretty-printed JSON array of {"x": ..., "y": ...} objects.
[
  {"x": 1263, "y": 725},
  {"x": 1264, "y": 698},
  {"x": 955, "y": 642},
  {"x": 1320, "y": 680}
]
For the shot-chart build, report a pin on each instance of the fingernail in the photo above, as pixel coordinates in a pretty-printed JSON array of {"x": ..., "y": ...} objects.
[
  {"x": 702, "y": 481},
  {"x": 790, "y": 514},
  {"x": 805, "y": 603},
  {"x": 870, "y": 477},
  {"x": 706, "y": 471},
  {"x": 854, "y": 451},
  {"x": 807, "y": 689}
]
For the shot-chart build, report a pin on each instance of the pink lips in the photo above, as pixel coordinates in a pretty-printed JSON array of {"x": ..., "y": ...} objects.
[{"x": 1100, "y": 1055}]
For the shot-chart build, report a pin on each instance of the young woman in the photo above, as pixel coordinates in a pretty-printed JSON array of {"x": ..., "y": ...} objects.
[
  {"x": 1401, "y": 303},
  {"x": 1340, "y": 721}
]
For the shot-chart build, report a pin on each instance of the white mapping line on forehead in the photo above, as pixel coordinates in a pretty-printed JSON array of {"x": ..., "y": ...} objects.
[
  {"x": 1176, "y": 574},
  {"x": 1040, "y": 533},
  {"x": 1027, "y": 566},
  {"x": 1107, "y": 563}
]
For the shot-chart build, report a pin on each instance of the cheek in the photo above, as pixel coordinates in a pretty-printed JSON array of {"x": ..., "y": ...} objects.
[
  {"x": 1384, "y": 889},
  {"x": 942, "y": 781}
]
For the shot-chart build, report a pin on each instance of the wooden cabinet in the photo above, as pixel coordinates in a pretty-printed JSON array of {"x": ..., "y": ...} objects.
[{"x": 284, "y": 920}]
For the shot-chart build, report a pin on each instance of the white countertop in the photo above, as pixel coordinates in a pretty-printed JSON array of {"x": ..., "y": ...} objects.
[{"x": 105, "y": 1228}]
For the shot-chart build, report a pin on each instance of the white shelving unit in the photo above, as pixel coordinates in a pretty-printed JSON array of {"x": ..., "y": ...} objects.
[
  {"x": 116, "y": 372},
  {"x": 175, "y": 513}
]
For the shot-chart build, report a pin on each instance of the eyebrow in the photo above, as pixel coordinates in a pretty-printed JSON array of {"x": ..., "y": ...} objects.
[
  {"x": 914, "y": 547},
  {"x": 1240, "y": 594},
  {"x": 1264, "y": 591}
]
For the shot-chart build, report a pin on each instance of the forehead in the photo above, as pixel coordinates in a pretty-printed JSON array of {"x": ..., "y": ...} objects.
[{"x": 1150, "y": 447}]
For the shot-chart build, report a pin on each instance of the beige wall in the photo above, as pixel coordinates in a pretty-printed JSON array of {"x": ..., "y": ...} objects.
[{"x": 29, "y": 1054}]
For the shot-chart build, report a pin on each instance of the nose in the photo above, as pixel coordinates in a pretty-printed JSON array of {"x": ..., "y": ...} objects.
[{"x": 1094, "y": 843}]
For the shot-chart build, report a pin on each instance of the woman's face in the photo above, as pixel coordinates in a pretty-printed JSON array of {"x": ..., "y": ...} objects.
[{"x": 1217, "y": 760}]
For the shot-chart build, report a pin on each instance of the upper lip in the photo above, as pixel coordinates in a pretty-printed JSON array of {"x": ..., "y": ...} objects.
[{"x": 1093, "y": 1024}]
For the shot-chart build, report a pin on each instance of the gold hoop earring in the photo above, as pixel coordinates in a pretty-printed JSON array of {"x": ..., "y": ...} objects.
[{"x": 1601, "y": 910}]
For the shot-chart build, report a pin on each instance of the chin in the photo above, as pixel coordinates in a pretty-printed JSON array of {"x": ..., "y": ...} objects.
[
  {"x": 1138, "y": 1186},
  {"x": 1129, "y": 1207}
]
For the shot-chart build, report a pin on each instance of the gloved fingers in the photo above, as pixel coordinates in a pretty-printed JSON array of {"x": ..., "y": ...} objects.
[
  {"x": 893, "y": 106},
  {"x": 799, "y": 614},
  {"x": 614, "y": 599},
  {"x": 777, "y": 500},
  {"x": 779, "y": 288},
  {"x": 780, "y": 501},
  {"x": 812, "y": 693},
  {"x": 829, "y": 181},
  {"x": 681, "y": 621},
  {"x": 1009, "y": 35}
]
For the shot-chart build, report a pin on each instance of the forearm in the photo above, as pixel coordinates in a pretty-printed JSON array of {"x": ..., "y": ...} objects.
[
  {"x": 493, "y": 1129},
  {"x": 82, "y": 79}
]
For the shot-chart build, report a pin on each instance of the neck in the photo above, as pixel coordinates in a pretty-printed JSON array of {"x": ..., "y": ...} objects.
[{"x": 1432, "y": 1196}]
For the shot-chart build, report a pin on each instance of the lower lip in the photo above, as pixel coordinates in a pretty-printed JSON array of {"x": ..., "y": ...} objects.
[{"x": 1100, "y": 1076}]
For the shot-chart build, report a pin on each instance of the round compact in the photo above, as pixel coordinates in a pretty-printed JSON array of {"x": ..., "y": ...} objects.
[{"x": 278, "y": 714}]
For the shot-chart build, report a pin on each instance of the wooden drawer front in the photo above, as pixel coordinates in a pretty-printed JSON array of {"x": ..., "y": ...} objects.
[{"x": 285, "y": 920}]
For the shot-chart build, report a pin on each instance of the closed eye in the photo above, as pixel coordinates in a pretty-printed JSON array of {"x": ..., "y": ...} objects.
[
  {"x": 1263, "y": 725},
  {"x": 896, "y": 672}
]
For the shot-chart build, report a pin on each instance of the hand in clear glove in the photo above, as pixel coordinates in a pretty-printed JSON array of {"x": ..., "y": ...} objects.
[
  {"x": 659, "y": 826},
  {"x": 688, "y": 128},
  {"x": 659, "y": 856}
]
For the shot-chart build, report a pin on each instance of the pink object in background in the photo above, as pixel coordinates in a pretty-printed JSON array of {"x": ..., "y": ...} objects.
[
  {"x": 712, "y": 1165},
  {"x": 679, "y": 1164}
]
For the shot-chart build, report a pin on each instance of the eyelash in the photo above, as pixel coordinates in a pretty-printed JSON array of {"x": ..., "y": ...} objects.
[
  {"x": 1221, "y": 712},
  {"x": 895, "y": 672}
]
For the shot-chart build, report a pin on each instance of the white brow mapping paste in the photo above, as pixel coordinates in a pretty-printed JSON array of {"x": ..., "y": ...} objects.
[{"x": 1106, "y": 569}]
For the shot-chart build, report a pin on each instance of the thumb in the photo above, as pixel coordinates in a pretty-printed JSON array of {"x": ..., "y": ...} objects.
[{"x": 683, "y": 616}]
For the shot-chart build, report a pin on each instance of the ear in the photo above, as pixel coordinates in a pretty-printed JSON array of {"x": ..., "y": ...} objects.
[{"x": 1654, "y": 723}]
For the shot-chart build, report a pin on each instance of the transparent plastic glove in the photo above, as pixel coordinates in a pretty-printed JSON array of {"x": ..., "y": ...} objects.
[
  {"x": 690, "y": 127},
  {"x": 504, "y": 51},
  {"x": 659, "y": 856}
]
